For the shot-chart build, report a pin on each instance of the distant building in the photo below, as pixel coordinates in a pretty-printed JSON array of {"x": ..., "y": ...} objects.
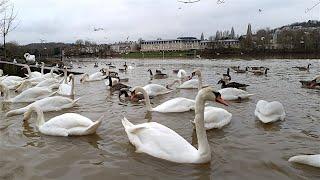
[
  {"x": 125, "y": 47},
  {"x": 179, "y": 44}
]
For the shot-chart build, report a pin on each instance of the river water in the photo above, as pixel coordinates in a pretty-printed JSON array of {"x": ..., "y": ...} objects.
[{"x": 245, "y": 149}]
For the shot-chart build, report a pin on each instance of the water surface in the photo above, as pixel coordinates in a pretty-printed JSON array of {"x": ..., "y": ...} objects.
[{"x": 245, "y": 149}]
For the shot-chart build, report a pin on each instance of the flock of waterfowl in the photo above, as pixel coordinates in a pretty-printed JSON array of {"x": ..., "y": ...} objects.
[{"x": 51, "y": 92}]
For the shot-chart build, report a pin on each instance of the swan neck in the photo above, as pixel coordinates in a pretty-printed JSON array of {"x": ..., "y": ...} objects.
[
  {"x": 40, "y": 116},
  {"x": 146, "y": 97},
  {"x": 65, "y": 76},
  {"x": 6, "y": 93},
  {"x": 199, "y": 82},
  {"x": 42, "y": 69},
  {"x": 29, "y": 71},
  {"x": 72, "y": 85},
  {"x": 203, "y": 145}
]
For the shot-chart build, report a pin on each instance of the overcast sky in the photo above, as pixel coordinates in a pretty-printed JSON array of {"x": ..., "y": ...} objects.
[{"x": 69, "y": 20}]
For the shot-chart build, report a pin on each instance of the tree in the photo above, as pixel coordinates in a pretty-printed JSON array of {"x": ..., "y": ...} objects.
[
  {"x": 7, "y": 22},
  {"x": 232, "y": 34},
  {"x": 79, "y": 42}
]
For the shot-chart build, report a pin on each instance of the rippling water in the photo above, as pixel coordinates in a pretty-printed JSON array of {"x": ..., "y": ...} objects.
[{"x": 245, "y": 149}]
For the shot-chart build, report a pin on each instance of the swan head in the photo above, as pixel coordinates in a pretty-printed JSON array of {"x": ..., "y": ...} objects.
[
  {"x": 84, "y": 77},
  {"x": 71, "y": 77},
  {"x": 210, "y": 94},
  {"x": 196, "y": 72}
]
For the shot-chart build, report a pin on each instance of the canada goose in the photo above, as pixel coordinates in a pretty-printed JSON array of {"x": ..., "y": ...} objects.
[
  {"x": 116, "y": 87},
  {"x": 134, "y": 97},
  {"x": 232, "y": 85},
  {"x": 241, "y": 70},
  {"x": 227, "y": 76},
  {"x": 157, "y": 75},
  {"x": 261, "y": 72},
  {"x": 301, "y": 68}
]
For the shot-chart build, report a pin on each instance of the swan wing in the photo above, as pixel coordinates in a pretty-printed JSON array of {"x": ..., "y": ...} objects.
[
  {"x": 216, "y": 117},
  {"x": 234, "y": 94},
  {"x": 65, "y": 89},
  {"x": 32, "y": 94},
  {"x": 155, "y": 89},
  {"x": 176, "y": 105},
  {"x": 97, "y": 76},
  {"x": 269, "y": 112},
  {"x": 191, "y": 84},
  {"x": 311, "y": 160},
  {"x": 161, "y": 142}
]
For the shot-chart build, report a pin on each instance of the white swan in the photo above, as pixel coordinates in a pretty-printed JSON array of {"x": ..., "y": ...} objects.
[
  {"x": 30, "y": 74},
  {"x": 66, "y": 89},
  {"x": 51, "y": 74},
  {"x": 179, "y": 104},
  {"x": 268, "y": 112},
  {"x": 232, "y": 94},
  {"x": 192, "y": 83},
  {"x": 156, "y": 89},
  {"x": 216, "y": 118},
  {"x": 10, "y": 82},
  {"x": 48, "y": 104},
  {"x": 69, "y": 124},
  {"x": 98, "y": 76},
  {"x": 30, "y": 58},
  {"x": 159, "y": 141},
  {"x": 311, "y": 160},
  {"x": 27, "y": 96}
]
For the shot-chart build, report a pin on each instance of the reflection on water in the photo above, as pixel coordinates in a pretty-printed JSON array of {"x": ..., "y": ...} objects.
[{"x": 244, "y": 149}]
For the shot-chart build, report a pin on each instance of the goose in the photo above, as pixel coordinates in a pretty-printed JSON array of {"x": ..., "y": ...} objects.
[
  {"x": 27, "y": 96},
  {"x": 98, "y": 76},
  {"x": 66, "y": 89},
  {"x": 232, "y": 94},
  {"x": 55, "y": 103},
  {"x": 268, "y": 112},
  {"x": 156, "y": 90},
  {"x": 301, "y": 68},
  {"x": 125, "y": 68},
  {"x": 311, "y": 160},
  {"x": 157, "y": 75},
  {"x": 115, "y": 87},
  {"x": 227, "y": 76},
  {"x": 238, "y": 70},
  {"x": 132, "y": 98},
  {"x": 177, "y": 105},
  {"x": 310, "y": 84},
  {"x": 175, "y": 71},
  {"x": 232, "y": 85},
  {"x": 262, "y": 71},
  {"x": 161, "y": 142},
  {"x": 68, "y": 124},
  {"x": 30, "y": 74}
]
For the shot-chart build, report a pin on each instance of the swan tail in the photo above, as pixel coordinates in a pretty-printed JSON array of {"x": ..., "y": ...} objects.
[
  {"x": 75, "y": 101},
  {"x": 312, "y": 160},
  {"x": 126, "y": 123},
  {"x": 93, "y": 128}
]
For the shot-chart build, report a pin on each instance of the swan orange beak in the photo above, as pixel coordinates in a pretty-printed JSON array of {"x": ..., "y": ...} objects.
[{"x": 221, "y": 101}]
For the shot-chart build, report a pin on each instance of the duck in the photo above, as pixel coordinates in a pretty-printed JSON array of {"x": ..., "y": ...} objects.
[
  {"x": 162, "y": 142},
  {"x": 311, "y": 160},
  {"x": 27, "y": 96},
  {"x": 177, "y": 105},
  {"x": 157, "y": 75},
  {"x": 268, "y": 112},
  {"x": 68, "y": 124},
  {"x": 156, "y": 90},
  {"x": 115, "y": 87},
  {"x": 98, "y": 76},
  {"x": 66, "y": 89},
  {"x": 301, "y": 68},
  {"x": 232, "y": 85},
  {"x": 233, "y": 94},
  {"x": 55, "y": 103},
  {"x": 30, "y": 74}
]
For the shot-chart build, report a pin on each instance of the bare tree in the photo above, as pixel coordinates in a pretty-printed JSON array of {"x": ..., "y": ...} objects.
[{"x": 7, "y": 22}]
